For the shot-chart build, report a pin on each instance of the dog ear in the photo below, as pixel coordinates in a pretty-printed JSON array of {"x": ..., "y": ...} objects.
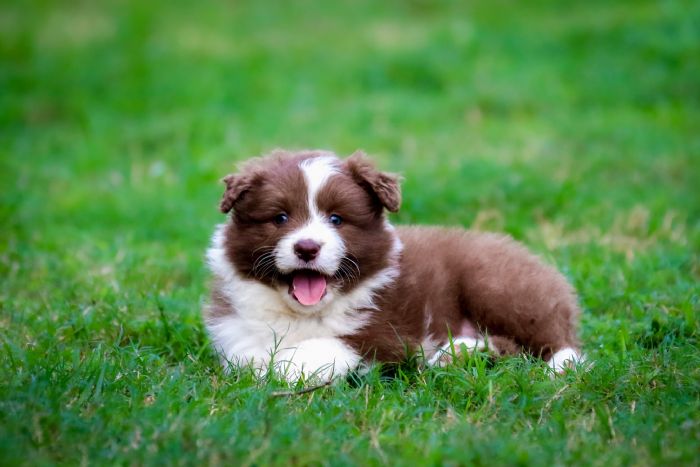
[
  {"x": 385, "y": 186},
  {"x": 236, "y": 185}
]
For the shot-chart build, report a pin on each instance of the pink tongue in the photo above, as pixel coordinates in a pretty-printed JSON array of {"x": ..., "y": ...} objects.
[{"x": 308, "y": 287}]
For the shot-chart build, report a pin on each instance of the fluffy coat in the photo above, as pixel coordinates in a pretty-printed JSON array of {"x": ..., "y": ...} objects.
[{"x": 311, "y": 278}]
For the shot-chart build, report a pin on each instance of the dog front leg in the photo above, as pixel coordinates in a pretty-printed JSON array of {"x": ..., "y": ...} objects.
[{"x": 321, "y": 358}]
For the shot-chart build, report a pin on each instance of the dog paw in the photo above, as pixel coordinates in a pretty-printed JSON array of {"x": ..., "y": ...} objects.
[
  {"x": 318, "y": 359},
  {"x": 448, "y": 352},
  {"x": 565, "y": 359}
]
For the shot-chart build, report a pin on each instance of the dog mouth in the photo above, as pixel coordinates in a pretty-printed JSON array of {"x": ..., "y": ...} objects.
[{"x": 308, "y": 287}]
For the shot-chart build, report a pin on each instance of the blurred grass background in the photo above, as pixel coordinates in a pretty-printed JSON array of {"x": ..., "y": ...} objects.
[{"x": 573, "y": 126}]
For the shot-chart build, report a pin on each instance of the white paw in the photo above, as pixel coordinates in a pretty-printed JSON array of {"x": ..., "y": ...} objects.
[
  {"x": 322, "y": 358},
  {"x": 564, "y": 358},
  {"x": 443, "y": 355}
]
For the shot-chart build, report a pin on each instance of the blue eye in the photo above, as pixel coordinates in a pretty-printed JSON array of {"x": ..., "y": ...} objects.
[
  {"x": 336, "y": 219},
  {"x": 280, "y": 219}
]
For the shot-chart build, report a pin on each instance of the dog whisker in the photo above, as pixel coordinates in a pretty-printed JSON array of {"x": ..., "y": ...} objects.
[
  {"x": 264, "y": 265},
  {"x": 348, "y": 270},
  {"x": 266, "y": 249}
]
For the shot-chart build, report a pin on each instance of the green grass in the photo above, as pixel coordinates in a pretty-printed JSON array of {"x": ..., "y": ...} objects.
[{"x": 573, "y": 126}]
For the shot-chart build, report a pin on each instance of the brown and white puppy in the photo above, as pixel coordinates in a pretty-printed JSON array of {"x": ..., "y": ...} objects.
[{"x": 310, "y": 277}]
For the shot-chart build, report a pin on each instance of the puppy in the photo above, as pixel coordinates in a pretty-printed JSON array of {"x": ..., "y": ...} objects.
[{"x": 309, "y": 277}]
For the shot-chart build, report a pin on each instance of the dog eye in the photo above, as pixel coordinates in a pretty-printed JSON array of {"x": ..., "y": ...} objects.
[
  {"x": 336, "y": 219},
  {"x": 280, "y": 219}
]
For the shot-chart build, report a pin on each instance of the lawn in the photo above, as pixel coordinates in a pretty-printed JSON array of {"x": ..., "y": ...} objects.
[{"x": 572, "y": 126}]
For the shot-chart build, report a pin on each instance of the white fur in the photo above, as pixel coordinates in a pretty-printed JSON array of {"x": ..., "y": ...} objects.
[
  {"x": 442, "y": 354},
  {"x": 320, "y": 357},
  {"x": 563, "y": 359},
  {"x": 317, "y": 171},
  {"x": 263, "y": 326}
]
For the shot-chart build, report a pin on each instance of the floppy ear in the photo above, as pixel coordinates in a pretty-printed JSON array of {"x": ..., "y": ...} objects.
[
  {"x": 236, "y": 185},
  {"x": 385, "y": 186}
]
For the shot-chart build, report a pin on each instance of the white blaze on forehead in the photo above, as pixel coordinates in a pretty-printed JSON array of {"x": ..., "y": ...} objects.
[{"x": 317, "y": 171}]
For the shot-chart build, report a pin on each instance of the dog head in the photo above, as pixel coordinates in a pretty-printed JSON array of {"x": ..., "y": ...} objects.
[{"x": 310, "y": 225}]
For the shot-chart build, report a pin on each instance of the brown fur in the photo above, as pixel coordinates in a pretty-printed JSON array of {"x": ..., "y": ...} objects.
[
  {"x": 362, "y": 212},
  {"x": 384, "y": 186},
  {"x": 478, "y": 280},
  {"x": 257, "y": 195}
]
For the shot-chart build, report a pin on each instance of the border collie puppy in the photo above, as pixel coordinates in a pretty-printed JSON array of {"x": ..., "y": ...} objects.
[{"x": 309, "y": 277}]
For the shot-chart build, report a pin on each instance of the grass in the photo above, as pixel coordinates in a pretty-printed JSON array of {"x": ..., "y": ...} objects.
[{"x": 573, "y": 126}]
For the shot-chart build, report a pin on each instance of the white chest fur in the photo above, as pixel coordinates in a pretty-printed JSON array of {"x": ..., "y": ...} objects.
[{"x": 262, "y": 328}]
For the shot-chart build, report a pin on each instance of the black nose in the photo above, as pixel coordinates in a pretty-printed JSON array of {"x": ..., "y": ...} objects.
[{"x": 307, "y": 250}]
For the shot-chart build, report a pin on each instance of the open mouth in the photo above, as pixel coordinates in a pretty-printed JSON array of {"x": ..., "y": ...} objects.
[{"x": 308, "y": 287}]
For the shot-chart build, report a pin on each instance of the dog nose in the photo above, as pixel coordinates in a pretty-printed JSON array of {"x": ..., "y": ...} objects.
[{"x": 307, "y": 249}]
